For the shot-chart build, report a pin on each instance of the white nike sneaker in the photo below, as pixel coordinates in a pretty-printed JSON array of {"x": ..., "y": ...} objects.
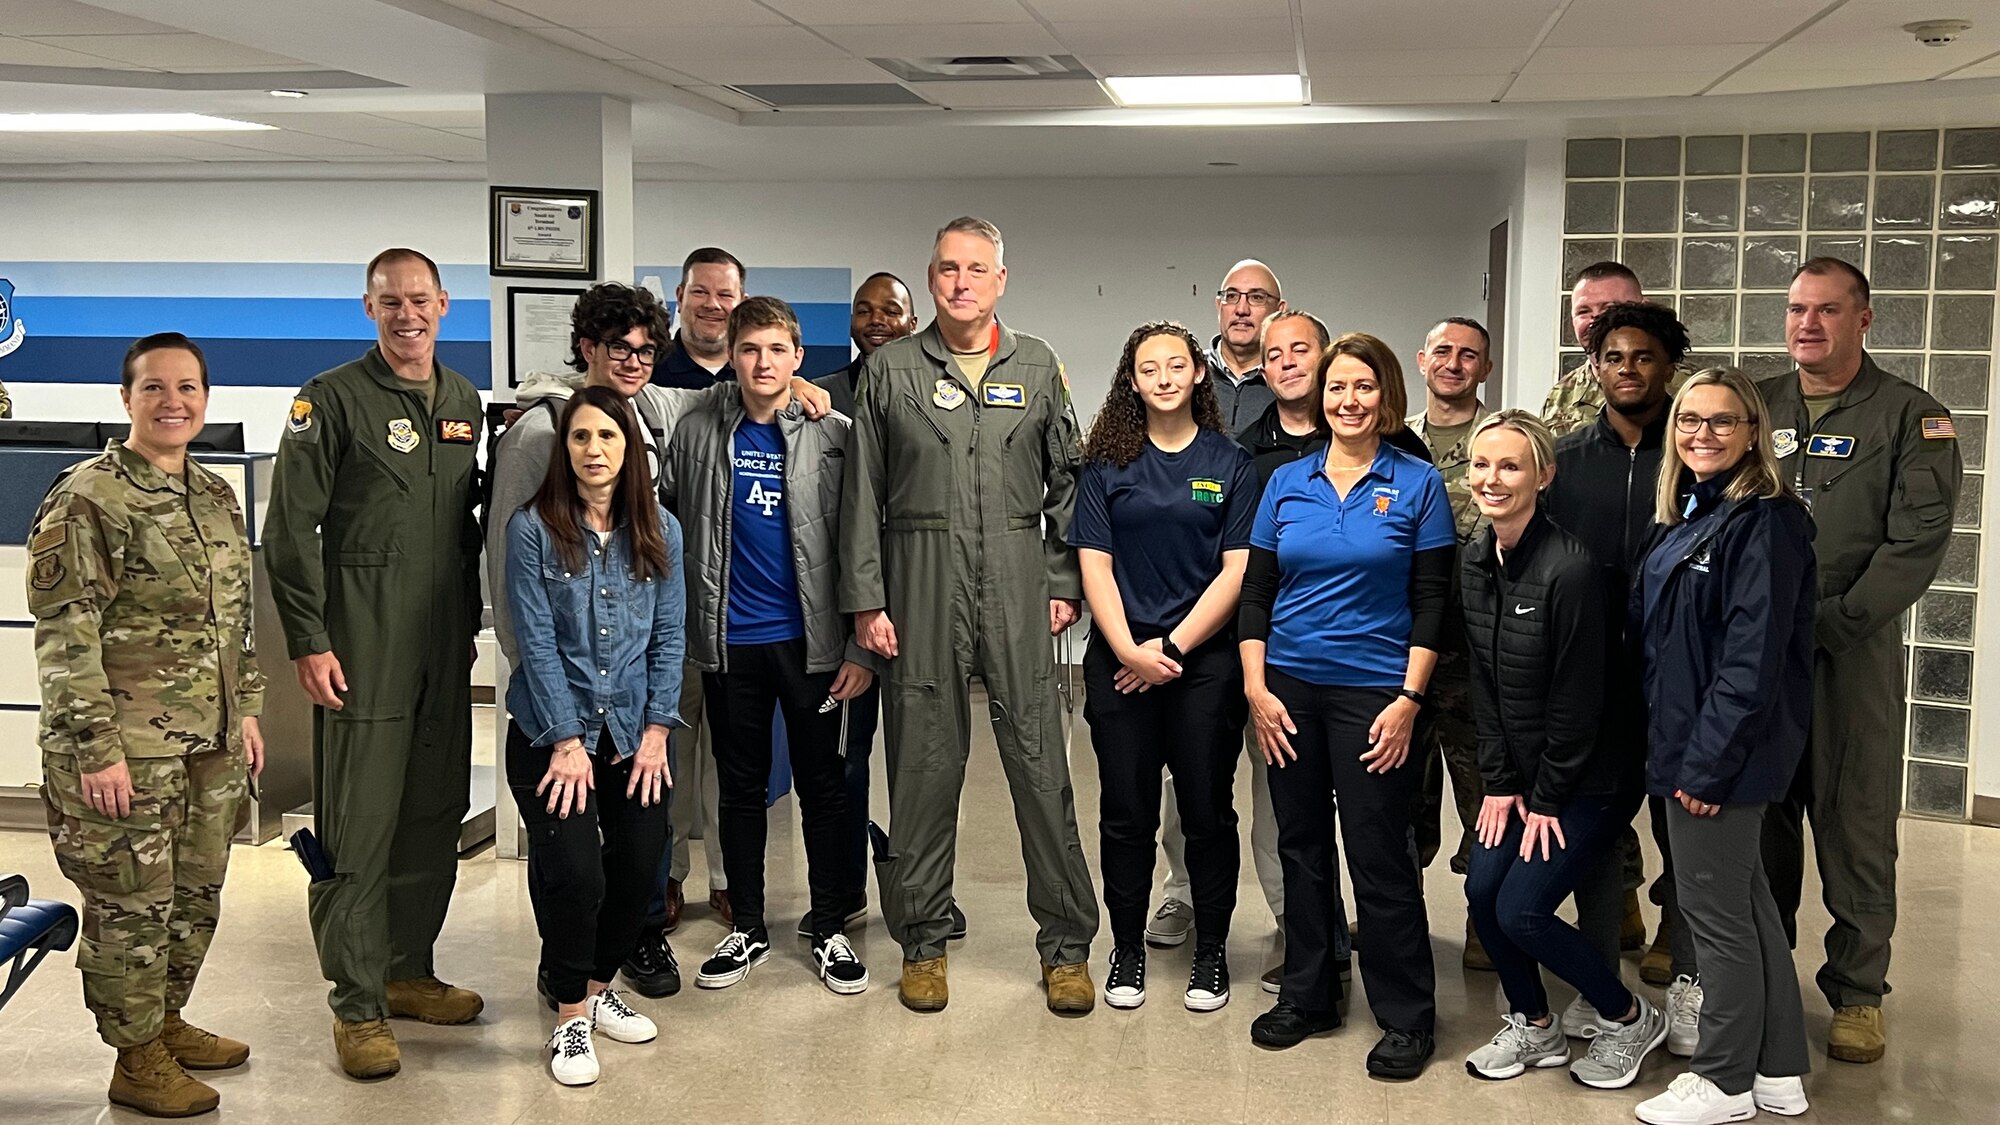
[
  {"x": 1783, "y": 1096},
  {"x": 1693, "y": 1100}
]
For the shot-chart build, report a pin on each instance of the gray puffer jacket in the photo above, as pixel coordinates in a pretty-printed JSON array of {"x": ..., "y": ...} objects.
[{"x": 696, "y": 487}]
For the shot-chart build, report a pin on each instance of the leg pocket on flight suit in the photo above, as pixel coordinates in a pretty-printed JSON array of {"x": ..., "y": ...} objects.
[{"x": 915, "y": 714}]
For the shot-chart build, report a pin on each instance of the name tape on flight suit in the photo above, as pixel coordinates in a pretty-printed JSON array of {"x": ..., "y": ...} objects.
[
  {"x": 1006, "y": 394},
  {"x": 456, "y": 432},
  {"x": 1830, "y": 445}
]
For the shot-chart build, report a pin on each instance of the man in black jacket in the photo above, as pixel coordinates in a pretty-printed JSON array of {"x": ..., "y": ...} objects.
[{"x": 1603, "y": 494}]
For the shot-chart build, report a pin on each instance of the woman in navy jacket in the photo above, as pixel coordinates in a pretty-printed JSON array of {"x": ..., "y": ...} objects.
[{"x": 1725, "y": 617}]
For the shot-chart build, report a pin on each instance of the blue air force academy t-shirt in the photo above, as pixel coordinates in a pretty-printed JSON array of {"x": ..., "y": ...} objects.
[
  {"x": 1342, "y": 617},
  {"x": 763, "y": 581},
  {"x": 1165, "y": 520}
]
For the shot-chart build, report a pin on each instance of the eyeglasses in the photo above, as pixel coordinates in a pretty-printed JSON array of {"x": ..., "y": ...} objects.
[
  {"x": 1721, "y": 425},
  {"x": 620, "y": 351},
  {"x": 1257, "y": 297}
]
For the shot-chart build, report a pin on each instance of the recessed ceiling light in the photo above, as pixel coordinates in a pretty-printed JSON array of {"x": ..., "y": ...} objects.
[
  {"x": 286, "y": 93},
  {"x": 121, "y": 123},
  {"x": 1207, "y": 89}
]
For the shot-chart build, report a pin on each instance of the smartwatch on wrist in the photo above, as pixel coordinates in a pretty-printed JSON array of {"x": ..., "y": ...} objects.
[
  {"x": 1172, "y": 650},
  {"x": 1412, "y": 695}
]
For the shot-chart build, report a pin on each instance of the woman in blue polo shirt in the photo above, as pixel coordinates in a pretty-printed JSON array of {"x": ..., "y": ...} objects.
[
  {"x": 1162, "y": 529},
  {"x": 1343, "y": 606}
]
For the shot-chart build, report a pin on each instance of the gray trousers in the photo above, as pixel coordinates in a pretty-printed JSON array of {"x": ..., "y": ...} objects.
[
  {"x": 693, "y": 803},
  {"x": 1752, "y": 1021}
]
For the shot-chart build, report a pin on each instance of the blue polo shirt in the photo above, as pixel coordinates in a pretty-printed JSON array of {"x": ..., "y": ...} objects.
[
  {"x": 1165, "y": 520},
  {"x": 1342, "y": 617}
]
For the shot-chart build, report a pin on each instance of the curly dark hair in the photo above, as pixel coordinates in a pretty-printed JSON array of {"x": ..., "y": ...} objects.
[
  {"x": 608, "y": 311},
  {"x": 1118, "y": 433},
  {"x": 1654, "y": 321}
]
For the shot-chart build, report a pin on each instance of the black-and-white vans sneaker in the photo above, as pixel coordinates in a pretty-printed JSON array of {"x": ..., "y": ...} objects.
[
  {"x": 838, "y": 967},
  {"x": 572, "y": 1056},
  {"x": 611, "y": 1015},
  {"x": 1125, "y": 984},
  {"x": 734, "y": 957},
  {"x": 1208, "y": 978}
]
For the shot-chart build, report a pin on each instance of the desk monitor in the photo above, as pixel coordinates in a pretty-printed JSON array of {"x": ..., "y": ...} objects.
[
  {"x": 216, "y": 437},
  {"x": 37, "y": 433}
]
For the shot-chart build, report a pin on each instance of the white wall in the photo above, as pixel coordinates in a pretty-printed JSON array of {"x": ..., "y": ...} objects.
[{"x": 1089, "y": 260}]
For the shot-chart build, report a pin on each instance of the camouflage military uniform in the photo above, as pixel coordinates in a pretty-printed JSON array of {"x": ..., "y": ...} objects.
[
  {"x": 6, "y": 402},
  {"x": 140, "y": 588},
  {"x": 1576, "y": 398},
  {"x": 1447, "y": 720}
]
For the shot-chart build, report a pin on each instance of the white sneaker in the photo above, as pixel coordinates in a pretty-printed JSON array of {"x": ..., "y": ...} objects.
[
  {"x": 611, "y": 1015},
  {"x": 1683, "y": 1016},
  {"x": 572, "y": 1056},
  {"x": 1783, "y": 1096},
  {"x": 1581, "y": 1021},
  {"x": 1694, "y": 1100},
  {"x": 1518, "y": 1046},
  {"x": 1617, "y": 1053}
]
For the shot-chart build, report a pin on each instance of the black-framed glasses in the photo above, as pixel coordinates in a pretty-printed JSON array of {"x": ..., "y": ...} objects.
[
  {"x": 1258, "y": 298},
  {"x": 620, "y": 351},
  {"x": 1721, "y": 425}
]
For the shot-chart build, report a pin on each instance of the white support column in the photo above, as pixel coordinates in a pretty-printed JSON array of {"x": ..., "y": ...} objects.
[
  {"x": 562, "y": 141},
  {"x": 1534, "y": 263}
]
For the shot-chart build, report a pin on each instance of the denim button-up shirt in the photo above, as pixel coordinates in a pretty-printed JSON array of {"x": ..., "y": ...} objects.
[{"x": 600, "y": 648}]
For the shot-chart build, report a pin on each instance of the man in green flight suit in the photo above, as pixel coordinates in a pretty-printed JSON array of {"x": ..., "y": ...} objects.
[
  {"x": 374, "y": 557},
  {"x": 952, "y": 544}
]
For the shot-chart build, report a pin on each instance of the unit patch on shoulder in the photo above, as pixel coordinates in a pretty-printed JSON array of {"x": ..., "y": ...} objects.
[
  {"x": 1784, "y": 443},
  {"x": 299, "y": 421},
  {"x": 402, "y": 438},
  {"x": 1939, "y": 429},
  {"x": 49, "y": 538},
  {"x": 47, "y": 572},
  {"x": 455, "y": 431},
  {"x": 1203, "y": 490}
]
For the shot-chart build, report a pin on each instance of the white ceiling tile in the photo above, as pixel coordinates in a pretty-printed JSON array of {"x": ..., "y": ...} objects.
[
  {"x": 728, "y": 71},
  {"x": 436, "y": 118},
  {"x": 1122, "y": 37},
  {"x": 1049, "y": 94},
  {"x": 305, "y": 144},
  {"x": 1145, "y": 12},
  {"x": 1612, "y": 63},
  {"x": 500, "y": 12},
  {"x": 66, "y": 17},
  {"x": 1620, "y": 24},
  {"x": 1332, "y": 25},
  {"x": 27, "y": 52},
  {"x": 596, "y": 48},
  {"x": 1555, "y": 87},
  {"x": 1412, "y": 89},
  {"x": 657, "y": 72},
  {"x": 1247, "y": 62},
  {"x": 725, "y": 96},
  {"x": 1767, "y": 80},
  {"x": 1987, "y": 69},
  {"x": 947, "y": 40},
  {"x": 651, "y": 13},
  {"x": 677, "y": 45},
  {"x": 839, "y": 13},
  {"x": 168, "y": 52},
  {"x": 1443, "y": 62}
]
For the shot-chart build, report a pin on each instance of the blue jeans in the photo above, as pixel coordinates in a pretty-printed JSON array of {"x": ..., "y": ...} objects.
[{"x": 1513, "y": 906}]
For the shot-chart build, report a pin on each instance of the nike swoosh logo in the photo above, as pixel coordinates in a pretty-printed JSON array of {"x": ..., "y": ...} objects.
[{"x": 1523, "y": 610}]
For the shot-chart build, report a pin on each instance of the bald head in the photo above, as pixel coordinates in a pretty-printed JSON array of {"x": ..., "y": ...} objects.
[{"x": 1249, "y": 293}]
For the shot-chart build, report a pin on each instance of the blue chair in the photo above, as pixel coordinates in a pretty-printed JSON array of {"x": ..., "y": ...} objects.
[{"x": 30, "y": 929}]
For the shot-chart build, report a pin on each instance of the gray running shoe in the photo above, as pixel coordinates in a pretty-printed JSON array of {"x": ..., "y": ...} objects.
[
  {"x": 1581, "y": 1021},
  {"x": 1614, "y": 1057},
  {"x": 1518, "y": 1046},
  {"x": 1171, "y": 924},
  {"x": 1683, "y": 1016}
]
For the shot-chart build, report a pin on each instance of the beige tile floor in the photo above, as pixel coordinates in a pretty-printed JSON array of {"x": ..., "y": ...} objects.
[{"x": 778, "y": 1047}]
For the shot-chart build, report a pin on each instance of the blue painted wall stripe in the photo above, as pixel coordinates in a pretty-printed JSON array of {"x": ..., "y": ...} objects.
[
  {"x": 216, "y": 279},
  {"x": 260, "y": 318},
  {"x": 231, "y": 362}
]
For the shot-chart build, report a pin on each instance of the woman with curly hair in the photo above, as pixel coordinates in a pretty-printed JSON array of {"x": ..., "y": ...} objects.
[{"x": 1162, "y": 530}]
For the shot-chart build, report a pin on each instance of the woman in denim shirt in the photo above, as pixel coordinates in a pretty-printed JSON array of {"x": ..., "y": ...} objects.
[{"x": 599, "y": 610}]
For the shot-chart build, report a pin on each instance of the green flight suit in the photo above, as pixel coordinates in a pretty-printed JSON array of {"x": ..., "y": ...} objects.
[
  {"x": 1881, "y": 471},
  {"x": 140, "y": 588},
  {"x": 374, "y": 556},
  {"x": 953, "y": 519}
]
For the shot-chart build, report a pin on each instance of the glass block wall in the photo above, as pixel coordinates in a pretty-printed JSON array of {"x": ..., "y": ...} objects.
[{"x": 1714, "y": 227}]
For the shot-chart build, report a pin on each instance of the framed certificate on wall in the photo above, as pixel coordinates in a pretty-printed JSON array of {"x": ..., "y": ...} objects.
[
  {"x": 537, "y": 330},
  {"x": 543, "y": 232}
]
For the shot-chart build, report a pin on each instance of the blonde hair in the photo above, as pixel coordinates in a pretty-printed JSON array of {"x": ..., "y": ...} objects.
[
  {"x": 1541, "y": 443},
  {"x": 1757, "y": 474}
]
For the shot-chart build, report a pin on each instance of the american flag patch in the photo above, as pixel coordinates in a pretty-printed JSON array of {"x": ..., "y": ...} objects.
[{"x": 1939, "y": 428}]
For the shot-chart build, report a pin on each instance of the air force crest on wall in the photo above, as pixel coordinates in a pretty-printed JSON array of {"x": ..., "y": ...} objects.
[{"x": 12, "y": 331}]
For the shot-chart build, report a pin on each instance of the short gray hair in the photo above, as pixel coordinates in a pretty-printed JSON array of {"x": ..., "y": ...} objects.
[{"x": 972, "y": 224}]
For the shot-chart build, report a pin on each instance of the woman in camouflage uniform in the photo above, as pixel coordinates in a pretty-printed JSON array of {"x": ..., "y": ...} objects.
[{"x": 139, "y": 582}]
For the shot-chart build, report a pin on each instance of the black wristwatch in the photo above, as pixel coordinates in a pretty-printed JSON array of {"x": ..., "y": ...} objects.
[
  {"x": 1413, "y": 696},
  {"x": 1172, "y": 650}
]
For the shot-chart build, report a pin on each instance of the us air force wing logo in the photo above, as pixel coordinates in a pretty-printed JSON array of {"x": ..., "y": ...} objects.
[{"x": 12, "y": 331}]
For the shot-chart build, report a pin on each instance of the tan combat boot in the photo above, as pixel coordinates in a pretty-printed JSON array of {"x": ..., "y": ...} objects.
[
  {"x": 1657, "y": 966},
  {"x": 148, "y": 1079},
  {"x": 1857, "y": 1035},
  {"x": 367, "y": 1048},
  {"x": 1069, "y": 988},
  {"x": 1632, "y": 932},
  {"x": 196, "y": 1049},
  {"x": 1475, "y": 954},
  {"x": 923, "y": 988},
  {"x": 433, "y": 1001}
]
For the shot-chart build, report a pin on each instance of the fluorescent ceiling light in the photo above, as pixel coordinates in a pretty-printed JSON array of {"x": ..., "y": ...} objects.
[
  {"x": 286, "y": 93},
  {"x": 1207, "y": 89},
  {"x": 121, "y": 123}
]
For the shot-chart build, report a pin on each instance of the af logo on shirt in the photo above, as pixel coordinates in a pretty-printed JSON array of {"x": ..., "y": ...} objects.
[
  {"x": 765, "y": 498},
  {"x": 1205, "y": 490}
]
